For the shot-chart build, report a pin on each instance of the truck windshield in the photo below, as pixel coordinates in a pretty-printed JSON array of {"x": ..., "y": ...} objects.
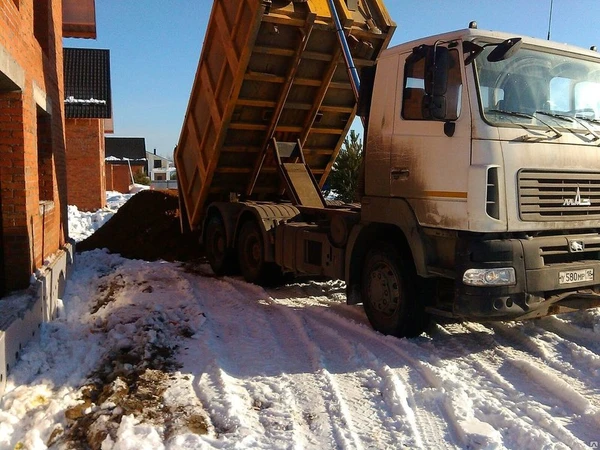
[{"x": 536, "y": 88}]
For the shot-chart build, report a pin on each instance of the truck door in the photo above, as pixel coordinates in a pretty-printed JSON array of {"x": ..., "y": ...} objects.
[{"x": 430, "y": 155}]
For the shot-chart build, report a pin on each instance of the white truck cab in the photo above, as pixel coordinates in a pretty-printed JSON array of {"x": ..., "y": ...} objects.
[{"x": 484, "y": 149}]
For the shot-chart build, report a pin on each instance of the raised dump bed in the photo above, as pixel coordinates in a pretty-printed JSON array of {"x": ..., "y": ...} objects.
[{"x": 271, "y": 70}]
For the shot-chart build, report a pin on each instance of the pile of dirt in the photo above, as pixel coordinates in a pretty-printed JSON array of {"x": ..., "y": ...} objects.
[{"x": 146, "y": 227}]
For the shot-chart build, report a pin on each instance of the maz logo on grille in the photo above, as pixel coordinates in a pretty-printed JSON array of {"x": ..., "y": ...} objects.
[
  {"x": 576, "y": 246},
  {"x": 577, "y": 201}
]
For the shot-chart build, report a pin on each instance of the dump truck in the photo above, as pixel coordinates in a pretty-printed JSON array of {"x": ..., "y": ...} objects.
[{"x": 480, "y": 191}]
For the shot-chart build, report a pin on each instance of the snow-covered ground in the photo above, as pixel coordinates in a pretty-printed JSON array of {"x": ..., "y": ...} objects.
[{"x": 162, "y": 355}]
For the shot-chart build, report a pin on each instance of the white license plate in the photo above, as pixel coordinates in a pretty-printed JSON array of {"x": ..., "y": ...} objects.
[{"x": 575, "y": 276}]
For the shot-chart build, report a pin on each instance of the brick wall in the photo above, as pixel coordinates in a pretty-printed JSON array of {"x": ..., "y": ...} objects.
[
  {"x": 85, "y": 163},
  {"x": 108, "y": 177},
  {"x": 32, "y": 141},
  {"x": 119, "y": 177}
]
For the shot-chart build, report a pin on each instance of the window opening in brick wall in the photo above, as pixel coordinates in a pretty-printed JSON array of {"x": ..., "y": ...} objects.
[
  {"x": 41, "y": 23},
  {"x": 2, "y": 275},
  {"x": 9, "y": 113},
  {"x": 45, "y": 156}
]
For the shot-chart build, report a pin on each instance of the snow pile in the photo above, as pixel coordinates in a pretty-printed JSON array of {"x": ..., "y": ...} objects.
[
  {"x": 136, "y": 187},
  {"x": 114, "y": 199}
]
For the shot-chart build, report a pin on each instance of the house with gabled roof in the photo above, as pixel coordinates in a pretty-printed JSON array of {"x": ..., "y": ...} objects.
[
  {"x": 162, "y": 171},
  {"x": 88, "y": 111},
  {"x": 125, "y": 157}
]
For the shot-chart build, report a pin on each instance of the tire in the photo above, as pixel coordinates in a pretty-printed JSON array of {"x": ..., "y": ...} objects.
[
  {"x": 389, "y": 295},
  {"x": 251, "y": 256},
  {"x": 221, "y": 259}
]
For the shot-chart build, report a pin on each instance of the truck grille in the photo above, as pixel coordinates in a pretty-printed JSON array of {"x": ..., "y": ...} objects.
[
  {"x": 560, "y": 254},
  {"x": 547, "y": 196}
]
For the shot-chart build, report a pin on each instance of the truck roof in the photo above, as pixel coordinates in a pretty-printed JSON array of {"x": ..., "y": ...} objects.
[{"x": 471, "y": 34}]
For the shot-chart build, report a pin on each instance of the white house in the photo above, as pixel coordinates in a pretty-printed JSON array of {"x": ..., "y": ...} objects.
[{"x": 159, "y": 167}]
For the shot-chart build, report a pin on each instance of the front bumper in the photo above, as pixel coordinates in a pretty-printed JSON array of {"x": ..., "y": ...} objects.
[{"x": 538, "y": 262}]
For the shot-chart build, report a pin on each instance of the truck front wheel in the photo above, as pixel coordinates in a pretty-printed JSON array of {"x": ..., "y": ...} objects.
[{"x": 388, "y": 293}]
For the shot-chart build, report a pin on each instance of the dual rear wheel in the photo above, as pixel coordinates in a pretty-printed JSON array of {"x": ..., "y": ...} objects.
[{"x": 248, "y": 256}]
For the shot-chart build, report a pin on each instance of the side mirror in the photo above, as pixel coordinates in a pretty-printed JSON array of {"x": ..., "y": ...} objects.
[{"x": 437, "y": 67}]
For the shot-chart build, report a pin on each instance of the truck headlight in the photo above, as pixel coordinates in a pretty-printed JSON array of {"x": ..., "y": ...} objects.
[{"x": 504, "y": 276}]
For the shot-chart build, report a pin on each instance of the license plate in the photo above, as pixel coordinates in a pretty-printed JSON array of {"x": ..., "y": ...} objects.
[{"x": 575, "y": 276}]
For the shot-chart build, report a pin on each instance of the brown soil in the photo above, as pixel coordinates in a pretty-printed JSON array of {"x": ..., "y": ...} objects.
[{"x": 146, "y": 227}]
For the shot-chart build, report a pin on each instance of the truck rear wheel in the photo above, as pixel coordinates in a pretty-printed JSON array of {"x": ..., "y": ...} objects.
[
  {"x": 221, "y": 259},
  {"x": 388, "y": 293},
  {"x": 251, "y": 256}
]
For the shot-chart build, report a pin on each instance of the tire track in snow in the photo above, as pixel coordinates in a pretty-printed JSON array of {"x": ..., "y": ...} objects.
[
  {"x": 431, "y": 416},
  {"x": 496, "y": 399},
  {"x": 557, "y": 377},
  {"x": 329, "y": 397},
  {"x": 547, "y": 352},
  {"x": 222, "y": 396},
  {"x": 372, "y": 397},
  {"x": 583, "y": 360},
  {"x": 317, "y": 295},
  {"x": 268, "y": 407},
  {"x": 536, "y": 390},
  {"x": 584, "y": 337},
  {"x": 419, "y": 366},
  {"x": 548, "y": 367},
  {"x": 345, "y": 433}
]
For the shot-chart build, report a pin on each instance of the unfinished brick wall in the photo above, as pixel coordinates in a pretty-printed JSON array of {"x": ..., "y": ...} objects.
[
  {"x": 85, "y": 164},
  {"x": 118, "y": 176},
  {"x": 32, "y": 142}
]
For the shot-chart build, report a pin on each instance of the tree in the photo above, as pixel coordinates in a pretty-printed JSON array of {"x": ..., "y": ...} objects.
[
  {"x": 344, "y": 177},
  {"x": 141, "y": 178}
]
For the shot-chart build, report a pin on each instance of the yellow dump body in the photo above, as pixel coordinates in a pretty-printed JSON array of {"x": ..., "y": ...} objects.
[{"x": 271, "y": 70}]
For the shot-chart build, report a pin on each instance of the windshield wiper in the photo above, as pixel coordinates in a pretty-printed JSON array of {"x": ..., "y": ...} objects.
[
  {"x": 527, "y": 116},
  {"x": 512, "y": 113},
  {"x": 556, "y": 116},
  {"x": 579, "y": 120}
]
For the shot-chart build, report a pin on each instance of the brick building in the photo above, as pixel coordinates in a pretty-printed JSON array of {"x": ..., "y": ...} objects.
[
  {"x": 88, "y": 108},
  {"x": 33, "y": 188}
]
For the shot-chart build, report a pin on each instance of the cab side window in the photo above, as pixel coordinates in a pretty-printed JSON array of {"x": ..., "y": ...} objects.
[{"x": 414, "y": 98}]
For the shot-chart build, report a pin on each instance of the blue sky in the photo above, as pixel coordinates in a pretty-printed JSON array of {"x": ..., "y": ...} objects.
[{"x": 155, "y": 46}]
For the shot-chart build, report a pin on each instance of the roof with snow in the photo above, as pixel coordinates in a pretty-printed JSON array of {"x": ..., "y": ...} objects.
[
  {"x": 87, "y": 84},
  {"x": 123, "y": 149}
]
